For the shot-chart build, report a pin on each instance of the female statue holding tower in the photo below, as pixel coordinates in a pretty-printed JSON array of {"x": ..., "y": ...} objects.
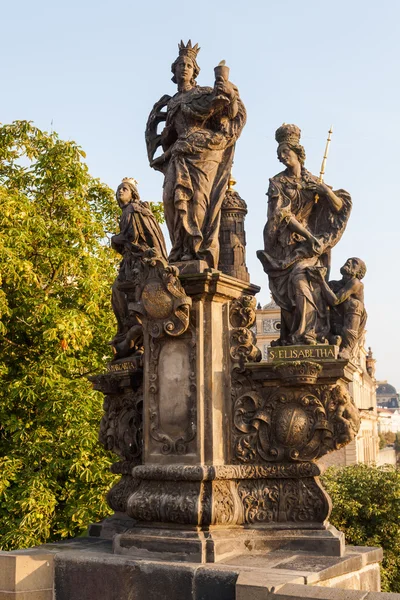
[
  {"x": 305, "y": 220},
  {"x": 202, "y": 125}
]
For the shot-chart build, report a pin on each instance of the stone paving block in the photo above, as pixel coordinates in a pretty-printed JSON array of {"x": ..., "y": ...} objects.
[
  {"x": 214, "y": 584},
  {"x": 382, "y": 596},
  {"x": 34, "y": 595},
  {"x": 83, "y": 577},
  {"x": 305, "y": 592},
  {"x": 257, "y": 585},
  {"x": 25, "y": 572}
]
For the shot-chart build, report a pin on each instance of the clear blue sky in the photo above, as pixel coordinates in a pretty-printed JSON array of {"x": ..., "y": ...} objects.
[{"x": 94, "y": 69}]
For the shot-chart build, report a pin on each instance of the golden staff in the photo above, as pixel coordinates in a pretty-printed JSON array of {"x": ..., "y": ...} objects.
[{"x": 322, "y": 172}]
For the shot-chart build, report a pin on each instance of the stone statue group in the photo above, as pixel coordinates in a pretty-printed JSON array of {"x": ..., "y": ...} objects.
[{"x": 306, "y": 218}]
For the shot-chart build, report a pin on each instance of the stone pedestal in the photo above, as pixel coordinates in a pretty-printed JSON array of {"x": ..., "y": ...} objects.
[
  {"x": 121, "y": 431},
  {"x": 230, "y": 445}
]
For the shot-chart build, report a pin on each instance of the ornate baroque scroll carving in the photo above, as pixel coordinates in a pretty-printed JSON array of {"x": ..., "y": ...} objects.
[
  {"x": 296, "y": 423},
  {"x": 283, "y": 500},
  {"x": 161, "y": 298},
  {"x": 243, "y": 342}
]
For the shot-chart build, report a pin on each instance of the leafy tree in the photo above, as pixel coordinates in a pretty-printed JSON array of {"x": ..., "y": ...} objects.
[
  {"x": 386, "y": 439},
  {"x": 366, "y": 507},
  {"x": 382, "y": 441},
  {"x": 55, "y": 319}
]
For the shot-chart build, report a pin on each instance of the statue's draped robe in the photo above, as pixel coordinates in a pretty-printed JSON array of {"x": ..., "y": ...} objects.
[
  {"x": 287, "y": 256},
  {"x": 200, "y": 137},
  {"x": 139, "y": 231}
]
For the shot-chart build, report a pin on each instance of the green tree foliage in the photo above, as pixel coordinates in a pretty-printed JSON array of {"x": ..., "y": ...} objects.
[
  {"x": 366, "y": 507},
  {"x": 56, "y": 270},
  {"x": 386, "y": 439}
]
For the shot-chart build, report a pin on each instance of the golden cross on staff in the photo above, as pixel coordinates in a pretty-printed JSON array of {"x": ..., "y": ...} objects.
[{"x": 322, "y": 171}]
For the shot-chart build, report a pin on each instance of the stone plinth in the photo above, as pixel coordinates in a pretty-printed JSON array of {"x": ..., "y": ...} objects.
[
  {"x": 229, "y": 445},
  {"x": 26, "y": 576},
  {"x": 121, "y": 430},
  {"x": 187, "y": 387},
  {"x": 87, "y": 569}
]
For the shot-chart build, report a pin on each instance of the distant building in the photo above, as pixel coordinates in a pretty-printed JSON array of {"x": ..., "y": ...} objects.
[
  {"x": 386, "y": 395},
  {"x": 365, "y": 448},
  {"x": 268, "y": 325},
  {"x": 388, "y": 420},
  {"x": 384, "y": 420}
]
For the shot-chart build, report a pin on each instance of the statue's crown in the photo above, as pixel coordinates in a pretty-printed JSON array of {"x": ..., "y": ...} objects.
[
  {"x": 130, "y": 180},
  {"x": 288, "y": 133},
  {"x": 188, "y": 49}
]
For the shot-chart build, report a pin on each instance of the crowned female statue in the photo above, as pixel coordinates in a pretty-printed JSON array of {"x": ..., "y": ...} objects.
[
  {"x": 305, "y": 220},
  {"x": 202, "y": 125}
]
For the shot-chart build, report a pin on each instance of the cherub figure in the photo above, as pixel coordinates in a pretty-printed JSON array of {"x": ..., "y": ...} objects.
[{"x": 346, "y": 299}]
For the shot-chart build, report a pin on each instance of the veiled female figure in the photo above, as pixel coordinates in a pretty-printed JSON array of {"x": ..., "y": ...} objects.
[
  {"x": 139, "y": 232},
  {"x": 305, "y": 220},
  {"x": 202, "y": 126}
]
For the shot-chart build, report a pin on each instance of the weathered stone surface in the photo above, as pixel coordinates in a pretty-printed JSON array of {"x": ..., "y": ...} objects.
[
  {"x": 87, "y": 569},
  {"x": 120, "y": 579},
  {"x": 25, "y": 573},
  {"x": 117, "y": 523},
  {"x": 214, "y": 545},
  {"x": 382, "y": 596},
  {"x": 33, "y": 595},
  {"x": 291, "y": 591},
  {"x": 257, "y": 585},
  {"x": 213, "y": 584}
]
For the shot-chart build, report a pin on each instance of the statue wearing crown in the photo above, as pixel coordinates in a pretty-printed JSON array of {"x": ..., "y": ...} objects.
[
  {"x": 306, "y": 219},
  {"x": 139, "y": 233},
  {"x": 202, "y": 125}
]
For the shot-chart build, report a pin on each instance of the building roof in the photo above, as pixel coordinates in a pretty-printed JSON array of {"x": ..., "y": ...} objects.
[
  {"x": 385, "y": 388},
  {"x": 271, "y": 306},
  {"x": 384, "y": 412}
]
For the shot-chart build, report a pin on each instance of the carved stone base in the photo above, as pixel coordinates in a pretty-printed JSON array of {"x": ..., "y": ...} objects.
[
  {"x": 216, "y": 544},
  {"x": 271, "y": 495}
]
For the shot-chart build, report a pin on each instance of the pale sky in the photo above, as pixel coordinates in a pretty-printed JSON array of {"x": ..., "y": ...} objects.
[{"x": 93, "y": 69}]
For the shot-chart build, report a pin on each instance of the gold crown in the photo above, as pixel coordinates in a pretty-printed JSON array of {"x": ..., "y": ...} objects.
[
  {"x": 130, "y": 180},
  {"x": 289, "y": 134},
  {"x": 188, "y": 50}
]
